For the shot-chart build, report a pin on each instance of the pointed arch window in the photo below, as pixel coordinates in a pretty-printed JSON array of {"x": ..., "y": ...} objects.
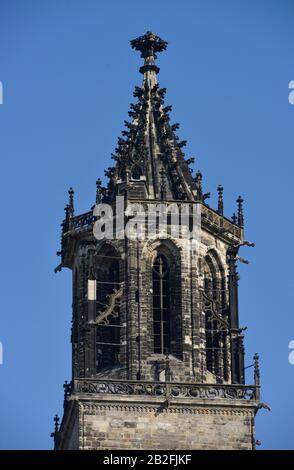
[
  {"x": 216, "y": 321},
  {"x": 108, "y": 330},
  {"x": 162, "y": 317}
]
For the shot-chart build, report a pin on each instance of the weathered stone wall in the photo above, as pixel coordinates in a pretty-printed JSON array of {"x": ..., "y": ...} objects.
[
  {"x": 120, "y": 423},
  {"x": 187, "y": 267},
  {"x": 136, "y": 354},
  {"x": 110, "y": 426}
]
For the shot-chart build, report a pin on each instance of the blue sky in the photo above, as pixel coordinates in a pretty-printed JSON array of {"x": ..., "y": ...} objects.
[{"x": 68, "y": 74}]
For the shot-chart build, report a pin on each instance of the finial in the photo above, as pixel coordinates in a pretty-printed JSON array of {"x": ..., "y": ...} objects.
[
  {"x": 234, "y": 218},
  {"x": 240, "y": 201},
  {"x": 65, "y": 223},
  {"x": 67, "y": 389},
  {"x": 256, "y": 366},
  {"x": 220, "y": 206},
  {"x": 198, "y": 183},
  {"x": 162, "y": 184},
  {"x": 149, "y": 45},
  {"x": 256, "y": 375},
  {"x": 98, "y": 190},
  {"x": 56, "y": 424},
  {"x": 71, "y": 201},
  {"x": 55, "y": 433}
]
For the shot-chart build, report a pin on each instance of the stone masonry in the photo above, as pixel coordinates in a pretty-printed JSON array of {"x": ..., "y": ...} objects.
[{"x": 157, "y": 349}]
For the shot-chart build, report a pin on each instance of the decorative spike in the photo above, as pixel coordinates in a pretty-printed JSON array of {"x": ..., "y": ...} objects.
[
  {"x": 198, "y": 183},
  {"x": 175, "y": 126},
  {"x": 109, "y": 173},
  {"x": 240, "y": 201},
  {"x": 65, "y": 223},
  {"x": 129, "y": 125},
  {"x": 55, "y": 434},
  {"x": 133, "y": 114},
  {"x": 114, "y": 157},
  {"x": 183, "y": 143},
  {"x": 67, "y": 389},
  {"x": 164, "y": 119},
  {"x": 98, "y": 190},
  {"x": 220, "y": 205},
  {"x": 190, "y": 161},
  {"x": 71, "y": 208},
  {"x": 234, "y": 218},
  {"x": 256, "y": 366},
  {"x": 257, "y": 374},
  {"x": 138, "y": 92},
  {"x": 56, "y": 423},
  {"x": 162, "y": 92},
  {"x": 121, "y": 141},
  {"x": 135, "y": 107},
  {"x": 167, "y": 109},
  {"x": 104, "y": 192}
]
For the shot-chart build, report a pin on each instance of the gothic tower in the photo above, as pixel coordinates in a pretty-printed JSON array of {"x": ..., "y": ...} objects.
[{"x": 157, "y": 350}]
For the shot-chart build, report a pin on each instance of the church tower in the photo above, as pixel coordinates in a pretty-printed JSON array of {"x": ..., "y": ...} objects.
[{"x": 157, "y": 349}]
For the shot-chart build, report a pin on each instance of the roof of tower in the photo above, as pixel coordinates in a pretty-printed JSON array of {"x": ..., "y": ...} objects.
[{"x": 149, "y": 149}]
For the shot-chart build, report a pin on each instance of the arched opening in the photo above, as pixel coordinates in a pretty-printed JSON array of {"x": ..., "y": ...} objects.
[
  {"x": 108, "y": 311},
  {"x": 166, "y": 301},
  {"x": 136, "y": 172},
  {"x": 161, "y": 305},
  {"x": 216, "y": 321}
]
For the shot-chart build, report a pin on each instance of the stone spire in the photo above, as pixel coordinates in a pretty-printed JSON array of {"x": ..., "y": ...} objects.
[
  {"x": 149, "y": 45},
  {"x": 149, "y": 144}
]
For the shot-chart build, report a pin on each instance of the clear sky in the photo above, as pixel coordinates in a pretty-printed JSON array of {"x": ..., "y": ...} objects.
[{"x": 68, "y": 74}]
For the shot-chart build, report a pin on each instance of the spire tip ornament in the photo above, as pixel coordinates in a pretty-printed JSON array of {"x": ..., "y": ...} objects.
[
  {"x": 220, "y": 207},
  {"x": 149, "y": 45},
  {"x": 240, "y": 201},
  {"x": 71, "y": 199},
  {"x": 70, "y": 208}
]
